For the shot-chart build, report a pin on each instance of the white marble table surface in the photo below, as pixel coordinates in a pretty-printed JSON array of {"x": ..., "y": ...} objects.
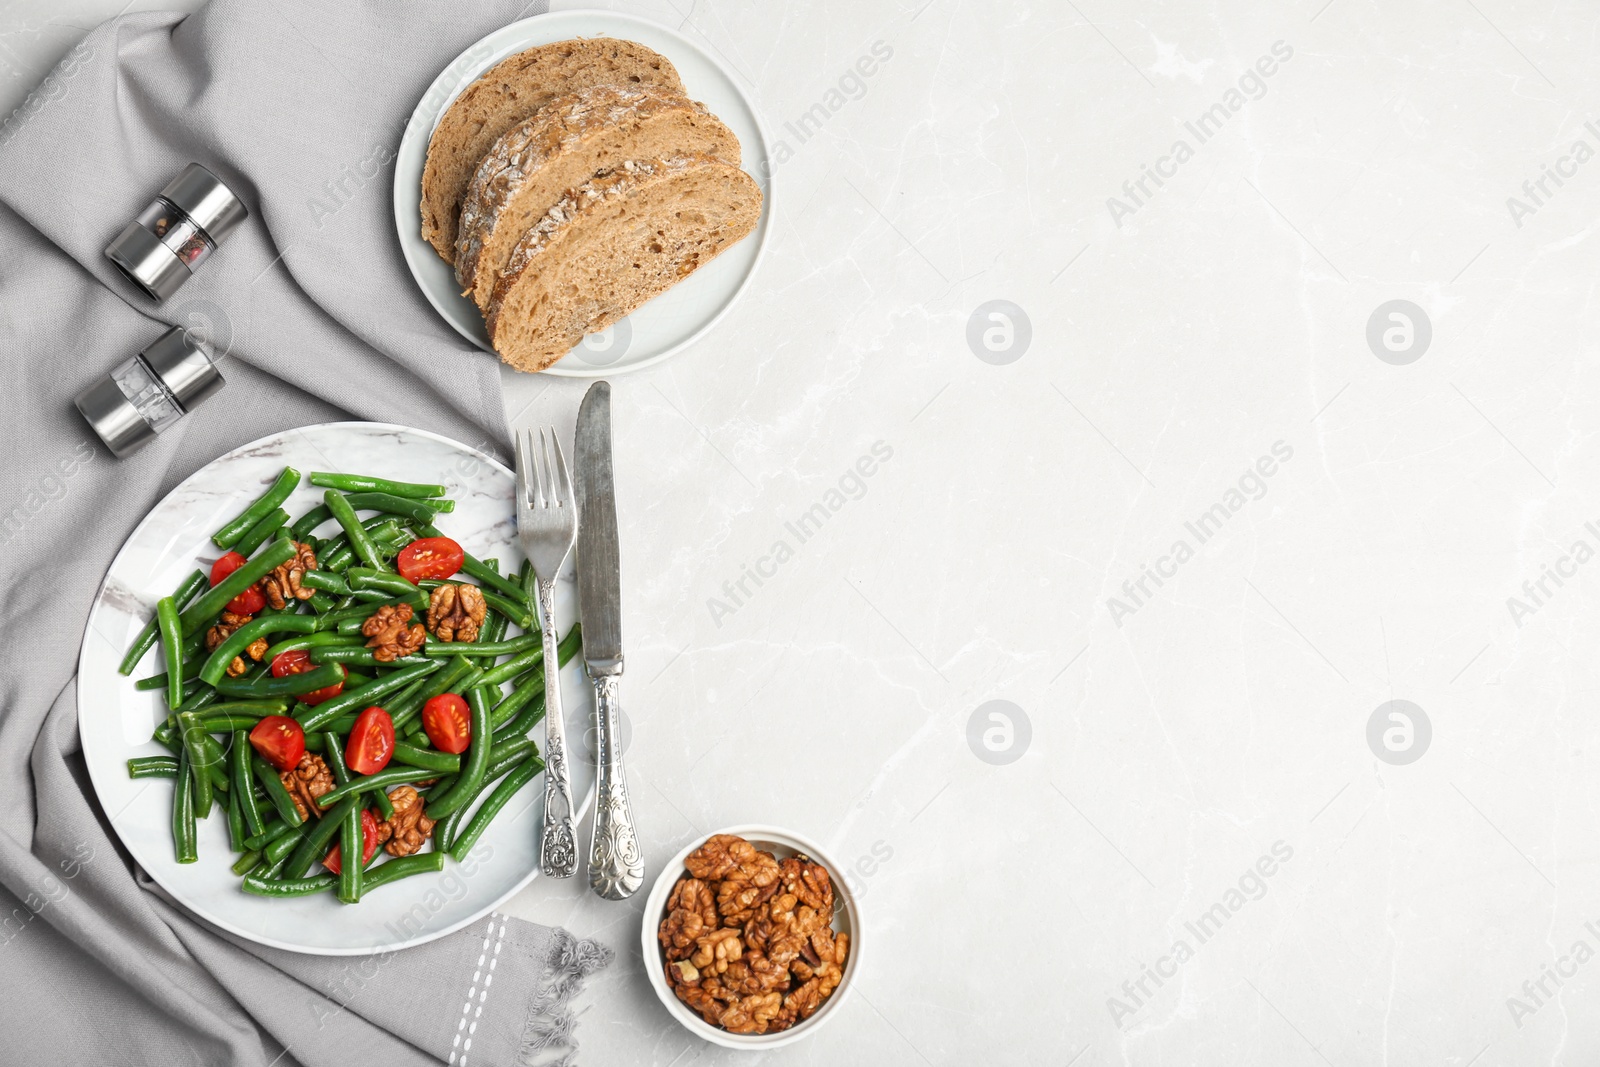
[{"x": 1197, "y": 513}]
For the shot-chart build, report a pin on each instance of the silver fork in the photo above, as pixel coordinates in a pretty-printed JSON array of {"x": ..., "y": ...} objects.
[{"x": 547, "y": 526}]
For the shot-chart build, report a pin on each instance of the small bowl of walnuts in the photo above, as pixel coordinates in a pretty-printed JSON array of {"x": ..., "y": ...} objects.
[{"x": 753, "y": 941}]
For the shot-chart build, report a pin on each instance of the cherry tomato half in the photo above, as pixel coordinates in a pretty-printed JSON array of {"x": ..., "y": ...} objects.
[
  {"x": 299, "y": 662},
  {"x": 369, "y": 842},
  {"x": 280, "y": 740},
  {"x": 448, "y": 723},
  {"x": 246, "y": 603},
  {"x": 371, "y": 742},
  {"x": 431, "y": 557}
]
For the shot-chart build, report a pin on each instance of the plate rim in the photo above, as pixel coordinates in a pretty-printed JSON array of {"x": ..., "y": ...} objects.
[
  {"x": 85, "y": 743},
  {"x": 410, "y": 238}
]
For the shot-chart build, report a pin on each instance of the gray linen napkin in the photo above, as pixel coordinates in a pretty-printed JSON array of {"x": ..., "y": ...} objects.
[{"x": 299, "y": 107}]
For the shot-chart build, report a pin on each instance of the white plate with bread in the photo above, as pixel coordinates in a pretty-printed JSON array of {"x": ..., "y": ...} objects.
[{"x": 584, "y": 193}]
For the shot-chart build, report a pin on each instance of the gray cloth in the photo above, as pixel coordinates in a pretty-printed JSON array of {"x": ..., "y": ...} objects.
[{"x": 299, "y": 107}]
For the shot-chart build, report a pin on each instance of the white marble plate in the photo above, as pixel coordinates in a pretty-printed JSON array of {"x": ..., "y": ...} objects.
[
  {"x": 672, "y": 321},
  {"x": 116, "y": 720}
]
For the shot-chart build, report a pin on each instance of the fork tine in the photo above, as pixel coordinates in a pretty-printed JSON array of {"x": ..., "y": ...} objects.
[
  {"x": 550, "y": 465},
  {"x": 523, "y": 478},
  {"x": 563, "y": 476},
  {"x": 541, "y": 472}
]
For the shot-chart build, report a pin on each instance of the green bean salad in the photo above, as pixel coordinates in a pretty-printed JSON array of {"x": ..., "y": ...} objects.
[{"x": 352, "y": 694}]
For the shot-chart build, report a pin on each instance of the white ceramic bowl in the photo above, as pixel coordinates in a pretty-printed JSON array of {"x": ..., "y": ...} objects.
[{"x": 846, "y": 919}]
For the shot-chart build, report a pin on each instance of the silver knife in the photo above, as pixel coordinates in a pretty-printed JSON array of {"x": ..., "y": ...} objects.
[{"x": 616, "y": 870}]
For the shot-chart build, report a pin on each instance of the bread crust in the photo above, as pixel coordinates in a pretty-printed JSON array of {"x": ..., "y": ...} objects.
[
  {"x": 712, "y": 206},
  {"x": 506, "y": 95},
  {"x": 515, "y": 181}
]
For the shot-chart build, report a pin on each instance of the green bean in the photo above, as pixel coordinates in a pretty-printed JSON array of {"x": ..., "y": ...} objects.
[
  {"x": 381, "y": 800},
  {"x": 216, "y": 723},
  {"x": 236, "y": 834},
  {"x": 278, "y": 830},
  {"x": 417, "y": 510},
  {"x": 477, "y": 761},
  {"x": 367, "y": 782},
  {"x": 146, "y": 638},
  {"x": 360, "y": 539},
  {"x": 237, "y": 643},
  {"x": 194, "y": 735},
  {"x": 511, "y": 610},
  {"x": 172, "y": 644},
  {"x": 310, "y": 521},
  {"x": 183, "y": 836},
  {"x": 449, "y": 827},
  {"x": 360, "y": 483},
  {"x": 280, "y": 848},
  {"x": 152, "y": 767},
  {"x": 243, "y": 787},
  {"x": 506, "y": 750},
  {"x": 362, "y": 696},
  {"x": 404, "y": 867},
  {"x": 302, "y": 642},
  {"x": 352, "y": 853},
  {"x": 334, "y": 758},
  {"x": 268, "y": 777},
  {"x": 360, "y": 657},
  {"x": 512, "y": 667},
  {"x": 526, "y": 690},
  {"x": 519, "y": 777},
  {"x": 321, "y": 602},
  {"x": 247, "y": 862},
  {"x": 198, "y": 615},
  {"x": 482, "y": 648},
  {"x": 263, "y": 886},
  {"x": 493, "y": 630},
  {"x": 289, "y": 685},
  {"x": 261, "y": 532},
  {"x": 326, "y": 581},
  {"x": 383, "y": 581},
  {"x": 443, "y": 762},
  {"x": 316, "y": 842},
  {"x": 240, "y": 524}
]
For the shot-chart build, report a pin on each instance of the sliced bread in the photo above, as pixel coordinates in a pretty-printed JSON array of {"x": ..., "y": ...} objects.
[
  {"x": 566, "y": 143},
  {"x": 610, "y": 245},
  {"x": 507, "y": 94}
]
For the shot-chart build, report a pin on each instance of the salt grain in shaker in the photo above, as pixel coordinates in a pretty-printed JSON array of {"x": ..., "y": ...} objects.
[
  {"x": 148, "y": 393},
  {"x": 177, "y": 232}
]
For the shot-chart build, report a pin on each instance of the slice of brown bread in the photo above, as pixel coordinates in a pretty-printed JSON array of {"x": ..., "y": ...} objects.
[
  {"x": 508, "y": 93},
  {"x": 564, "y": 145},
  {"x": 610, "y": 245}
]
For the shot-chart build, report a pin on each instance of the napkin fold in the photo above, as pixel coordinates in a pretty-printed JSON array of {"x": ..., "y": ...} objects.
[{"x": 299, "y": 107}]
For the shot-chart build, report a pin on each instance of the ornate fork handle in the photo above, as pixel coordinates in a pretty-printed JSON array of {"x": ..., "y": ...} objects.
[
  {"x": 616, "y": 870},
  {"x": 558, "y": 852}
]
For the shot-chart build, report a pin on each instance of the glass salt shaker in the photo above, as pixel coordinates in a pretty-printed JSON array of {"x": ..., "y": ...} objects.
[
  {"x": 149, "y": 392},
  {"x": 163, "y": 247}
]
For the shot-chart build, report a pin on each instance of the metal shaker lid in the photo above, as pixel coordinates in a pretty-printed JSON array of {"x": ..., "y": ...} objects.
[
  {"x": 149, "y": 392},
  {"x": 148, "y": 263},
  {"x": 118, "y": 422},
  {"x": 184, "y": 367},
  {"x": 207, "y": 201}
]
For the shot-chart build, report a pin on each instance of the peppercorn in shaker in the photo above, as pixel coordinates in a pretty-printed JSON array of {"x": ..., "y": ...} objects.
[{"x": 182, "y": 227}]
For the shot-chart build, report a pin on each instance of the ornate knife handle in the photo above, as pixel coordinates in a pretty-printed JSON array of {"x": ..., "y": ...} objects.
[
  {"x": 558, "y": 850},
  {"x": 616, "y": 870}
]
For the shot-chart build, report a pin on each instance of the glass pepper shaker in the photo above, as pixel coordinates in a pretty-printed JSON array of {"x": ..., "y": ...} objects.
[
  {"x": 163, "y": 247},
  {"x": 149, "y": 392}
]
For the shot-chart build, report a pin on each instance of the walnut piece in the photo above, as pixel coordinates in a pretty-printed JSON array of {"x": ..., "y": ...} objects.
[
  {"x": 408, "y": 829},
  {"x": 748, "y": 941},
  {"x": 283, "y": 584},
  {"x": 388, "y": 634},
  {"x": 456, "y": 611},
  {"x": 306, "y": 782},
  {"x": 691, "y": 914},
  {"x": 223, "y": 630}
]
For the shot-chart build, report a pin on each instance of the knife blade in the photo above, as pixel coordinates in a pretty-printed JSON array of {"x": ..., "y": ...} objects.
[{"x": 599, "y": 564}]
